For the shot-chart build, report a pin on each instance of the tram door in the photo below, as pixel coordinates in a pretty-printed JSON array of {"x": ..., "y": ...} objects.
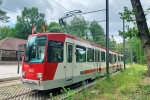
[
  {"x": 69, "y": 63},
  {"x": 97, "y": 59}
]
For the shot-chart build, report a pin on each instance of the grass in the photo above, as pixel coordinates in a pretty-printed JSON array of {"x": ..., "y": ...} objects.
[{"x": 130, "y": 84}]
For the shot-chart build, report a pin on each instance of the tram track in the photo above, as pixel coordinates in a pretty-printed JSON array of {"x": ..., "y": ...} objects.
[
  {"x": 17, "y": 92},
  {"x": 9, "y": 83}
]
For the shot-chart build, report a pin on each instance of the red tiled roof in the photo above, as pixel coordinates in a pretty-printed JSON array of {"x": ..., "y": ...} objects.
[{"x": 9, "y": 43}]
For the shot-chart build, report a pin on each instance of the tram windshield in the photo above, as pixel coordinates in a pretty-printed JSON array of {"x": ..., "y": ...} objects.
[{"x": 35, "y": 49}]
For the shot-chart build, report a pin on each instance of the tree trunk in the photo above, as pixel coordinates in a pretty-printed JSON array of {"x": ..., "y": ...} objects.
[{"x": 143, "y": 30}]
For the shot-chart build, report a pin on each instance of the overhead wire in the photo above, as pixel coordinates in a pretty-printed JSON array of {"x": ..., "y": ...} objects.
[
  {"x": 68, "y": 8},
  {"x": 59, "y": 5},
  {"x": 80, "y": 4},
  {"x": 88, "y": 7},
  {"x": 9, "y": 9},
  {"x": 94, "y": 11},
  {"x": 87, "y": 13}
]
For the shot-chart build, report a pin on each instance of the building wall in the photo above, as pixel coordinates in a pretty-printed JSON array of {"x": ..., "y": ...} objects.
[{"x": 10, "y": 55}]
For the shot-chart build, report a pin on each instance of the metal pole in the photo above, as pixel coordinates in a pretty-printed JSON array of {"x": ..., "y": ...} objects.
[
  {"x": 124, "y": 55},
  {"x": 130, "y": 51},
  {"x": 0, "y": 55},
  {"x": 107, "y": 36},
  {"x": 18, "y": 58}
]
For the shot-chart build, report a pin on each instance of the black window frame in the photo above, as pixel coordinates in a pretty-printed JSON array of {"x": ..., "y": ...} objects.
[
  {"x": 62, "y": 51},
  {"x": 115, "y": 58},
  {"x": 110, "y": 58},
  {"x": 68, "y": 51},
  {"x": 88, "y": 54},
  {"x": 98, "y": 56},
  {"x": 103, "y": 56},
  {"x": 95, "y": 59},
  {"x": 84, "y": 48}
]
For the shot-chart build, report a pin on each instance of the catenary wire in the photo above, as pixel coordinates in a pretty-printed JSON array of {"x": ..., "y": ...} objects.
[
  {"x": 88, "y": 7},
  {"x": 68, "y": 8},
  {"x": 59, "y": 5},
  {"x": 9, "y": 9}
]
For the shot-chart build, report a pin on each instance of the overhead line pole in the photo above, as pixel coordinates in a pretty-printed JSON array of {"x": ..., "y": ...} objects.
[
  {"x": 107, "y": 36},
  {"x": 124, "y": 55},
  {"x": 131, "y": 60}
]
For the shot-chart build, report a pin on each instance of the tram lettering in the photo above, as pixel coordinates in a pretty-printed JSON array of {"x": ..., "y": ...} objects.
[{"x": 31, "y": 70}]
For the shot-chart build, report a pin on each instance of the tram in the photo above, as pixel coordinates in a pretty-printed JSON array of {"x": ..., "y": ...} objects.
[{"x": 54, "y": 60}]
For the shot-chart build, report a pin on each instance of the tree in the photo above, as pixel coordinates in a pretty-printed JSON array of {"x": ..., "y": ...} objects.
[
  {"x": 3, "y": 16},
  {"x": 112, "y": 43},
  {"x": 143, "y": 32},
  {"x": 26, "y": 20},
  {"x": 119, "y": 47},
  {"x": 54, "y": 27},
  {"x": 78, "y": 27},
  {"x": 97, "y": 33},
  {"x": 137, "y": 51},
  {"x": 4, "y": 31}
]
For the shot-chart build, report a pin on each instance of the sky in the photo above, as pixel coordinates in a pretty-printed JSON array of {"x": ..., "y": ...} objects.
[{"x": 53, "y": 10}]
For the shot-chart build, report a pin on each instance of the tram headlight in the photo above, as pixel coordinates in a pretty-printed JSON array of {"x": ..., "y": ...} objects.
[{"x": 39, "y": 75}]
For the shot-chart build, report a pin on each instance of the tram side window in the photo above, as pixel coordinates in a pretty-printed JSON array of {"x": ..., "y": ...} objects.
[
  {"x": 55, "y": 51},
  {"x": 95, "y": 55},
  {"x": 102, "y": 56},
  {"x": 90, "y": 55},
  {"x": 80, "y": 53},
  {"x": 121, "y": 58},
  {"x": 115, "y": 58},
  {"x": 98, "y": 56},
  {"x": 110, "y": 58},
  {"x": 70, "y": 53}
]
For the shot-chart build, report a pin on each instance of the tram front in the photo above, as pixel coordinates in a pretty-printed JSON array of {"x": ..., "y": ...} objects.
[{"x": 33, "y": 62}]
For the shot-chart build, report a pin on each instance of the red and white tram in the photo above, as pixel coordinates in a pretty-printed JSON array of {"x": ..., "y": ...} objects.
[{"x": 57, "y": 59}]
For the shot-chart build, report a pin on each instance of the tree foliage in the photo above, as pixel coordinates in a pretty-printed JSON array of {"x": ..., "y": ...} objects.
[
  {"x": 6, "y": 31},
  {"x": 138, "y": 53},
  {"x": 97, "y": 33},
  {"x": 90, "y": 31},
  {"x": 78, "y": 27},
  {"x": 3, "y": 17},
  {"x": 54, "y": 27},
  {"x": 143, "y": 32},
  {"x": 26, "y": 20}
]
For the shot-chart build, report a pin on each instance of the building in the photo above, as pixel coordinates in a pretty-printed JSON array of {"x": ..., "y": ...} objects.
[{"x": 9, "y": 48}]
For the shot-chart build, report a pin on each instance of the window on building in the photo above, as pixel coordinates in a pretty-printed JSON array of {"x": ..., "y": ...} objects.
[
  {"x": 55, "y": 51},
  {"x": 80, "y": 53},
  {"x": 90, "y": 55},
  {"x": 102, "y": 56}
]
